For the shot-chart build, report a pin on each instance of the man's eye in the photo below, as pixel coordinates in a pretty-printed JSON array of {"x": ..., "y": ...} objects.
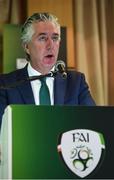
[
  {"x": 42, "y": 38},
  {"x": 55, "y": 38},
  {"x": 45, "y": 38}
]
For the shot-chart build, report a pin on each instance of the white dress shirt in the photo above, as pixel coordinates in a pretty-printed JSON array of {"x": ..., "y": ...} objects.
[{"x": 36, "y": 84}]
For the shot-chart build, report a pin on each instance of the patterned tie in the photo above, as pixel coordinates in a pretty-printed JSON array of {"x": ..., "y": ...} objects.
[{"x": 44, "y": 93}]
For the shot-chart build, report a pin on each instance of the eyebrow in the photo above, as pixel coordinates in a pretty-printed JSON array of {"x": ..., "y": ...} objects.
[{"x": 46, "y": 34}]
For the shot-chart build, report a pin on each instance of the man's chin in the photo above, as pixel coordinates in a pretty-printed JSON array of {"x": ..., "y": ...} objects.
[{"x": 48, "y": 62}]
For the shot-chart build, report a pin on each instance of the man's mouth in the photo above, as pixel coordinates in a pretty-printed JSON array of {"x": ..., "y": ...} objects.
[
  {"x": 49, "y": 59},
  {"x": 49, "y": 56}
]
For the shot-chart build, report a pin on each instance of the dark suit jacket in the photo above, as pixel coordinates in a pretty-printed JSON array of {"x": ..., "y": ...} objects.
[{"x": 70, "y": 91}]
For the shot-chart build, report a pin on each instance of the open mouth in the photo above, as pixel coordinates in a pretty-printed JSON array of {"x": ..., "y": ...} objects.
[
  {"x": 49, "y": 59},
  {"x": 49, "y": 56}
]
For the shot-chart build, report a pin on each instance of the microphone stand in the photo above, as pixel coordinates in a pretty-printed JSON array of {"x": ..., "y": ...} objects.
[{"x": 31, "y": 78}]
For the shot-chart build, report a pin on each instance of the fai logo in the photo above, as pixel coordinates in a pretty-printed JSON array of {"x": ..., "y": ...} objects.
[{"x": 81, "y": 150}]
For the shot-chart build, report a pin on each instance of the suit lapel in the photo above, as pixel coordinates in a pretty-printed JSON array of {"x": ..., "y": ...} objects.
[
  {"x": 26, "y": 93},
  {"x": 59, "y": 90},
  {"x": 25, "y": 88}
]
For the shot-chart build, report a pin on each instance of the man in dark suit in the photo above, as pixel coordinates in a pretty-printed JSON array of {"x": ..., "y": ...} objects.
[{"x": 41, "y": 40}]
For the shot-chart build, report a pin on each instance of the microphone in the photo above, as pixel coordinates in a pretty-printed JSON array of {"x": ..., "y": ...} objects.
[
  {"x": 31, "y": 78},
  {"x": 60, "y": 67}
]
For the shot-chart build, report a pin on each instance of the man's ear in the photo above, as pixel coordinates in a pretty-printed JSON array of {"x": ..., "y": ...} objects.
[{"x": 26, "y": 48}]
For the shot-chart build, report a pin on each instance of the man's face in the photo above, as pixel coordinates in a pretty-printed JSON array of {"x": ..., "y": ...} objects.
[{"x": 44, "y": 46}]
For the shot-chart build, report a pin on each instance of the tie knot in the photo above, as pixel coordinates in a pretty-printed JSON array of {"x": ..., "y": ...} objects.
[{"x": 43, "y": 80}]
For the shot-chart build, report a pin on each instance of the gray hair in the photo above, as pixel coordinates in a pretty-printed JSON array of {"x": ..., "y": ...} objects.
[{"x": 27, "y": 30}]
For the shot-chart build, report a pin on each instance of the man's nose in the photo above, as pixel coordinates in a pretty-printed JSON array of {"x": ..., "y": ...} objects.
[{"x": 49, "y": 43}]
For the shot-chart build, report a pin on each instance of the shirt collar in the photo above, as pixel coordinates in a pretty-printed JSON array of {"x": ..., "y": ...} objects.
[{"x": 33, "y": 72}]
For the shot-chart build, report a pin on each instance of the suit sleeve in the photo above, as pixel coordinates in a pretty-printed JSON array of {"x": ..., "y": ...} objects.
[{"x": 85, "y": 97}]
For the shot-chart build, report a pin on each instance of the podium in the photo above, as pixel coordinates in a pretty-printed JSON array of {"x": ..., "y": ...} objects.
[{"x": 30, "y": 136}]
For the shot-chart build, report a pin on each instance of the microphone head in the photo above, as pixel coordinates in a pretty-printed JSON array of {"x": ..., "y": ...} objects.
[
  {"x": 60, "y": 67},
  {"x": 59, "y": 62}
]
